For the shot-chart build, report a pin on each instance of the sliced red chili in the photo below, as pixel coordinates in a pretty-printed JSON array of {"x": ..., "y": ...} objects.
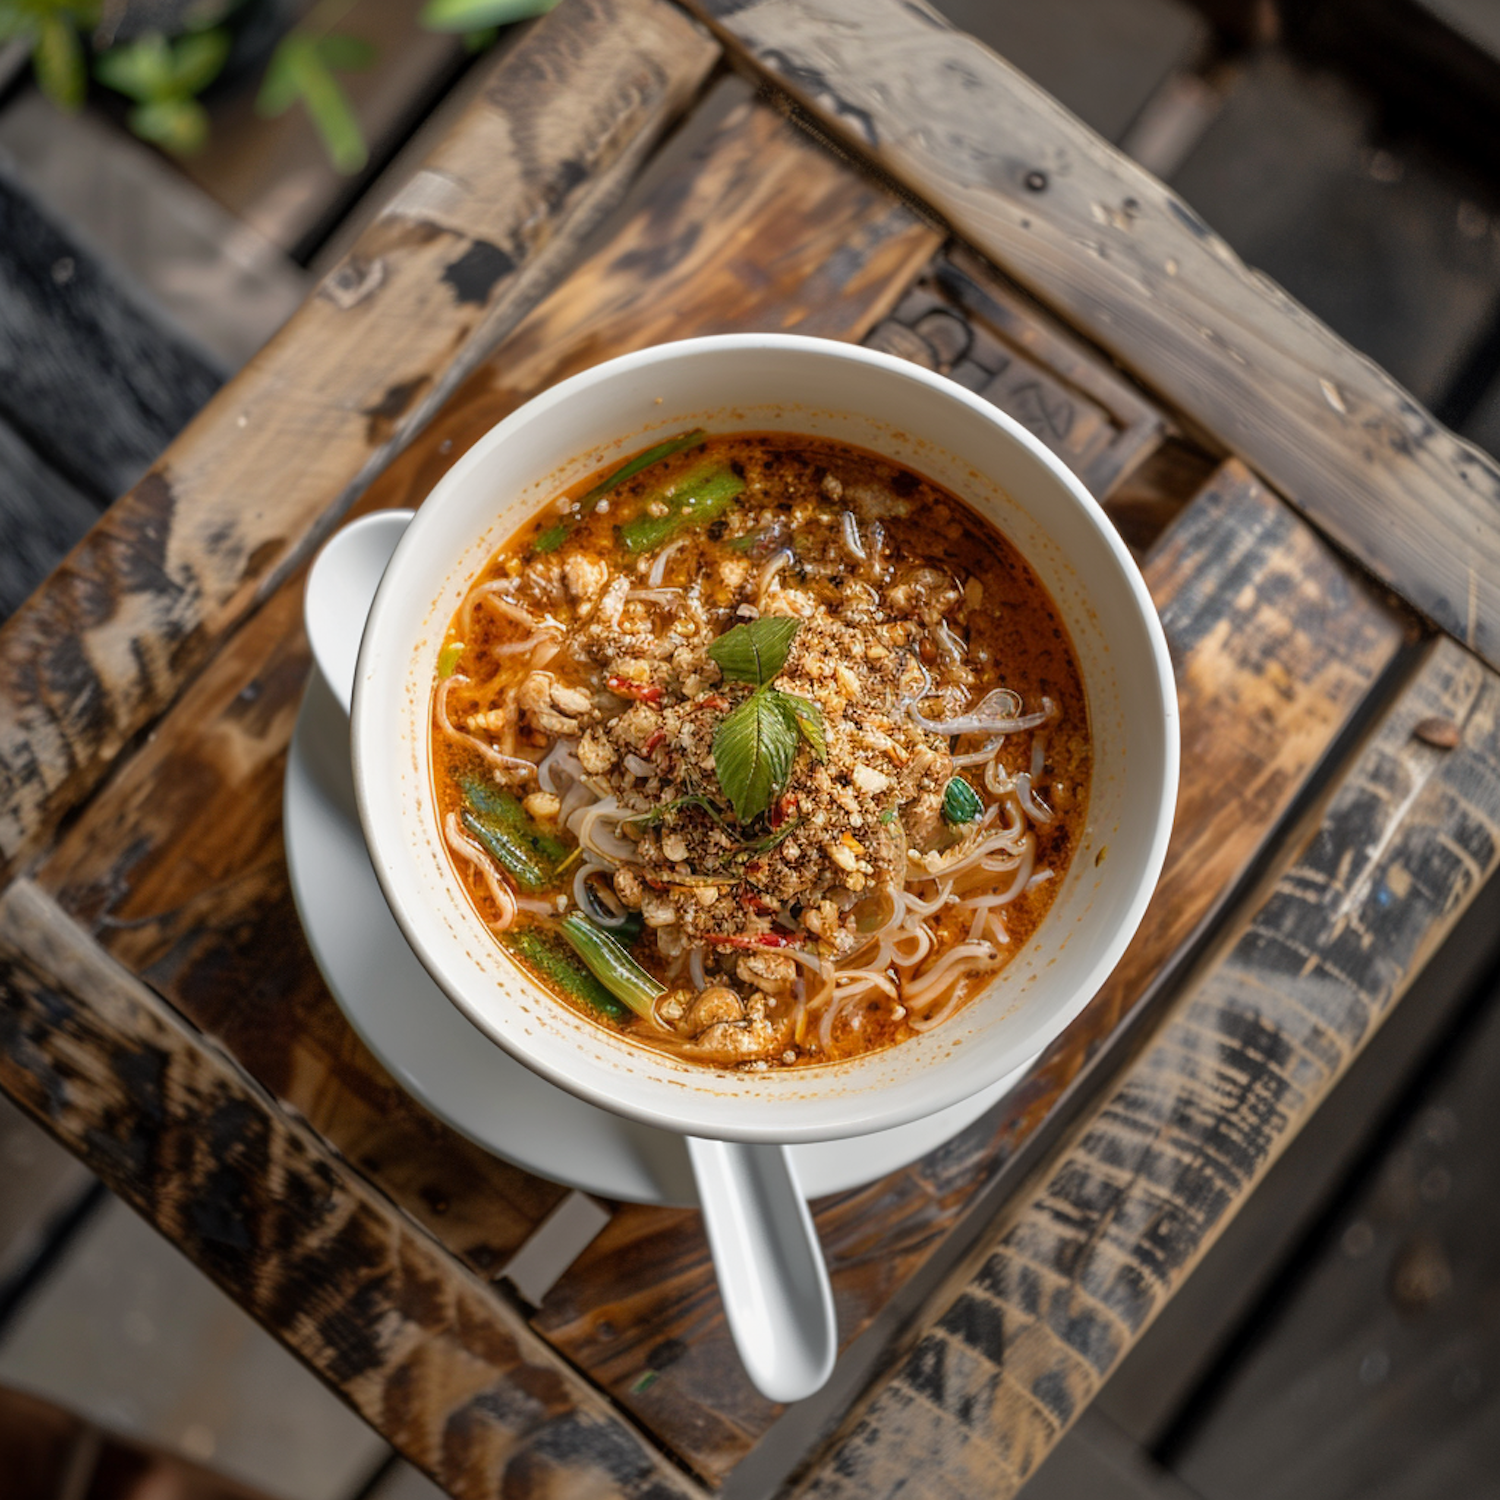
[
  {"x": 783, "y": 808},
  {"x": 644, "y": 692},
  {"x": 650, "y": 746},
  {"x": 752, "y": 939},
  {"x": 714, "y": 700}
]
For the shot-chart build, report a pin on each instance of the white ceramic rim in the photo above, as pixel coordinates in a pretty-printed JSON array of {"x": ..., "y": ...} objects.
[{"x": 805, "y": 1104}]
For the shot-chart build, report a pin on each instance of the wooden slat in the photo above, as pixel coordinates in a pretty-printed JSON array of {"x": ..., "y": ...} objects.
[
  {"x": 41, "y": 515},
  {"x": 1124, "y": 260},
  {"x": 1022, "y": 1337},
  {"x": 1276, "y": 643},
  {"x": 758, "y": 229},
  {"x": 432, "y": 1357},
  {"x": 961, "y": 321},
  {"x": 449, "y": 266},
  {"x": 179, "y": 872},
  {"x": 92, "y": 381}
]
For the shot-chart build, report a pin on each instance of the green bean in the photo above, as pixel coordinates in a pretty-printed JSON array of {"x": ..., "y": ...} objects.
[
  {"x": 496, "y": 818},
  {"x": 614, "y": 968},
  {"x": 703, "y": 495},
  {"x": 554, "y": 536},
  {"x": 557, "y": 964}
]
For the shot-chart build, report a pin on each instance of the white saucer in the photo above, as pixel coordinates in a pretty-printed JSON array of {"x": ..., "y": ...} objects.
[{"x": 458, "y": 1073}]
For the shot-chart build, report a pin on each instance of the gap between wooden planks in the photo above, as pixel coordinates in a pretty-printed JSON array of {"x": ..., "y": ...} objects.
[
  {"x": 491, "y": 220},
  {"x": 1022, "y": 1337},
  {"x": 1127, "y": 263},
  {"x": 1276, "y": 643}
]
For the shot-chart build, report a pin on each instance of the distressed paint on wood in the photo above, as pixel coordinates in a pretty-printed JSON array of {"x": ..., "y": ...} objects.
[
  {"x": 760, "y": 229},
  {"x": 1276, "y": 643},
  {"x": 432, "y": 1357},
  {"x": 1022, "y": 1338},
  {"x": 491, "y": 220},
  {"x": 179, "y": 873},
  {"x": 961, "y": 321},
  {"x": 1122, "y": 258}
]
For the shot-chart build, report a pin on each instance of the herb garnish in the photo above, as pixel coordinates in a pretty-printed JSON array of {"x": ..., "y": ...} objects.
[{"x": 755, "y": 745}]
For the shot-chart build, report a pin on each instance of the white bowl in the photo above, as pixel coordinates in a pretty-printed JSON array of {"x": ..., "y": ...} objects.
[{"x": 774, "y": 382}]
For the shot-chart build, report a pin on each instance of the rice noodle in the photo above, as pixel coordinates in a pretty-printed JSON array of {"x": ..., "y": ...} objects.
[
  {"x": 1038, "y": 812},
  {"x": 774, "y": 565},
  {"x": 658, "y": 574},
  {"x": 514, "y": 764},
  {"x": 654, "y": 596},
  {"x": 1038, "y": 755},
  {"x": 976, "y": 723},
  {"x": 562, "y": 757},
  {"x": 695, "y": 968},
  {"x": 467, "y": 850},
  {"x": 852, "y": 544},
  {"x": 866, "y": 979},
  {"x": 971, "y": 955},
  {"x": 590, "y": 898},
  {"x": 590, "y": 826}
]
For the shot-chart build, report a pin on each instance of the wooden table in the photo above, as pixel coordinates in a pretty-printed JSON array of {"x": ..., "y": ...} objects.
[{"x": 1327, "y": 565}]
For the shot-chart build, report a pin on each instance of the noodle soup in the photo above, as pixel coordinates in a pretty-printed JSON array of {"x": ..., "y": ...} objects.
[{"x": 760, "y": 749}]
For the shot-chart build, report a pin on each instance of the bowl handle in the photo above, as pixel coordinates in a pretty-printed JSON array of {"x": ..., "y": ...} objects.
[
  {"x": 769, "y": 1264},
  {"x": 340, "y": 589}
]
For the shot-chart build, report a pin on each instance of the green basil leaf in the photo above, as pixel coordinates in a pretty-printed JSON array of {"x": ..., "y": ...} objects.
[
  {"x": 755, "y": 652},
  {"x": 961, "y": 803},
  {"x": 57, "y": 61},
  {"x": 753, "y": 751},
  {"x": 807, "y": 718},
  {"x": 467, "y": 15}
]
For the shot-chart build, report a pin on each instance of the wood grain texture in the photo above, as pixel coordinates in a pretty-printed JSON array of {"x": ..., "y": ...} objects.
[
  {"x": 179, "y": 873},
  {"x": 493, "y": 218},
  {"x": 1076, "y": 223},
  {"x": 758, "y": 229},
  {"x": 1276, "y": 643},
  {"x": 93, "y": 382},
  {"x": 1021, "y": 1339},
  {"x": 432, "y": 1357},
  {"x": 963, "y": 322},
  {"x": 42, "y": 514}
]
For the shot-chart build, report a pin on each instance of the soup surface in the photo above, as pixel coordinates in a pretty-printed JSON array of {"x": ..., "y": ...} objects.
[{"x": 760, "y": 749}]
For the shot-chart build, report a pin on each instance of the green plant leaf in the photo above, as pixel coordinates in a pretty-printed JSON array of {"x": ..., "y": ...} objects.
[
  {"x": 282, "y": 83},
  {"x": 753, "y": 752},
  {"x": 300, "y": 69},
  {"x": 197, "y": 59},
  {"x": 756, "y": 651},
  {"x": 347, "y": 54},
  {"x": 57, "y": 59},
  {"x": 961, "y": 803},
  {"x": 807, "y": 719},
  {"x": 470, "y": 15},
  {"x": 141, "y": 69},
  {"x": 478, "y": 41},
  {"x": 181, "y": 125}
]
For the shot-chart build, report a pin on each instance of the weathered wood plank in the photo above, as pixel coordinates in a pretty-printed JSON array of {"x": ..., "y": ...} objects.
[
  {"x": 93, "y": 383},
  {"x": 445, "y": 1369},
  {"x": 1022, "y": 1337},
  {"x": 42, "y": 514},
  {"x": 451, "y": 264},
  {"x": 180, "y": 872},
  {"x": 961, "y": 321},
  {"x": 758, "y": 229},
  {"x": 1276, "y": 643},
  {"x": 1096, "y": 237}
]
